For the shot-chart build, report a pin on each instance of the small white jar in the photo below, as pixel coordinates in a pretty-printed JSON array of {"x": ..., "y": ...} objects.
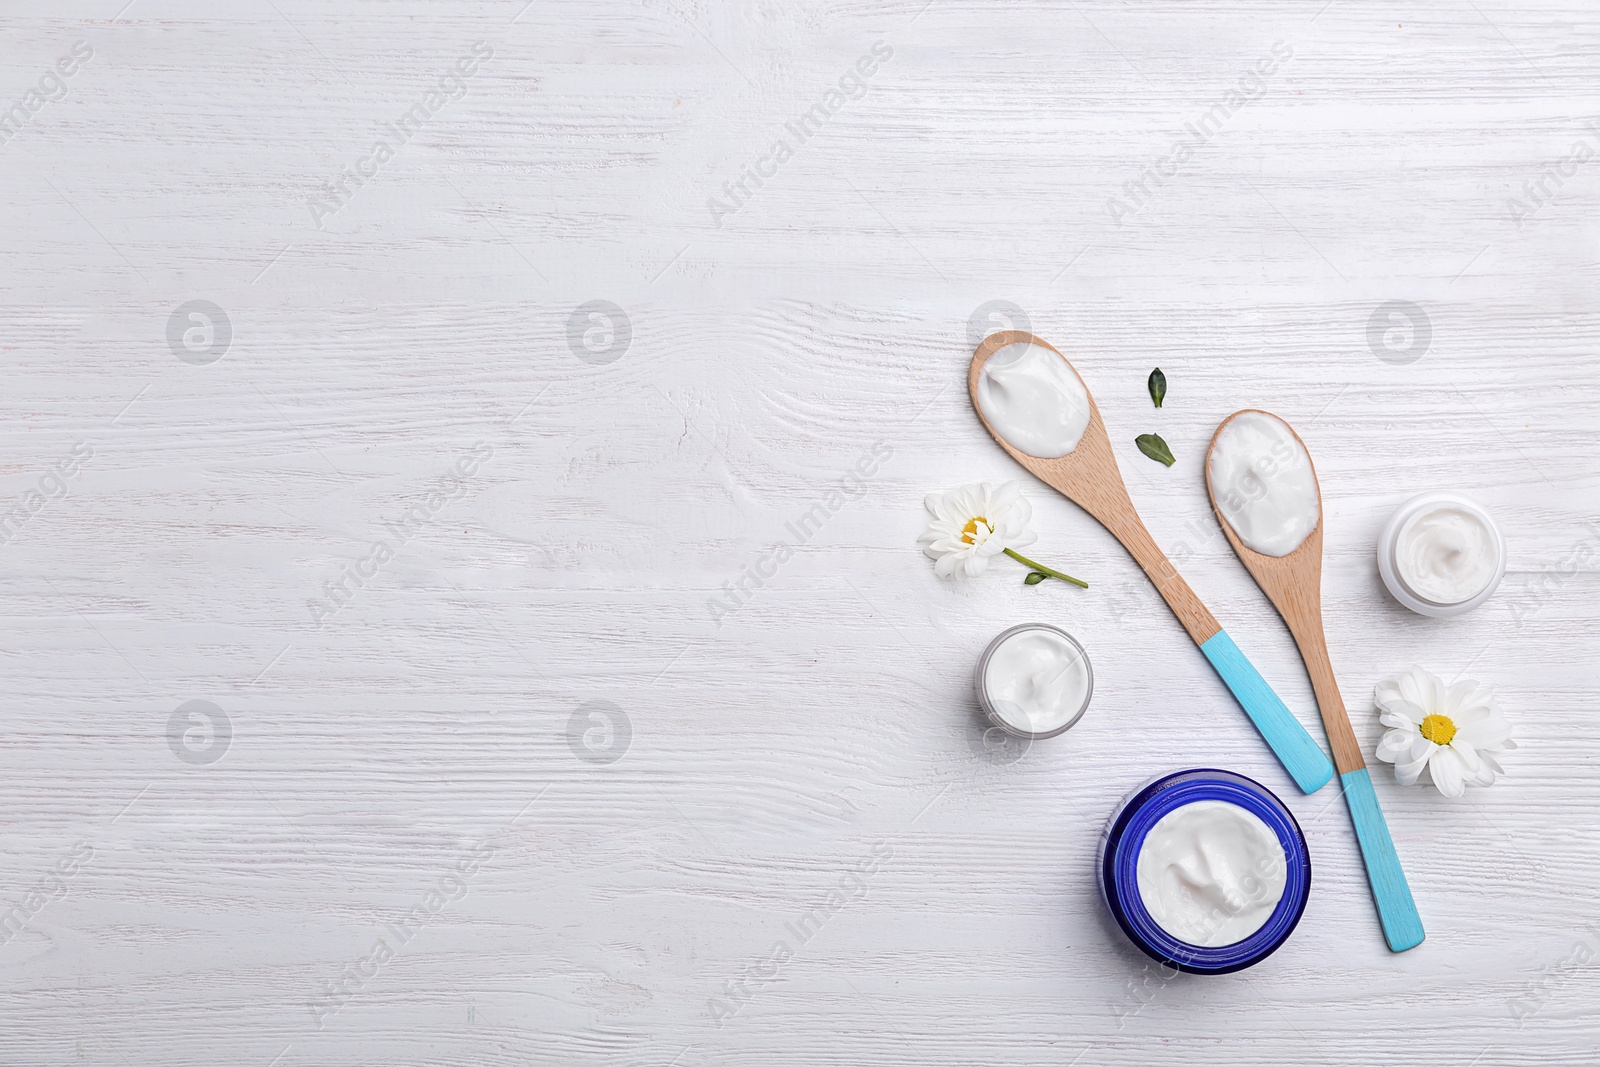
[
  {"x": 1034, "y": 681},
  {"x": 1441, "y": 554}
]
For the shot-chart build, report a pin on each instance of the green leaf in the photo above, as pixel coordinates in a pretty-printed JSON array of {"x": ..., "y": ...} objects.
[
  {"x": 1153, "y": 446},
  {"x": 1035, "y": 578},
  {"x": 1158, "y": 386}
]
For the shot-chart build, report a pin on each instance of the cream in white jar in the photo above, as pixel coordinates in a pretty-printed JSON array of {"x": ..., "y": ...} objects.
[
  {"x": 1441, "y": 554},
  {"x": 1446, "y": 554},
  {"x": 1034, "y": 400},
  {"x": 1034, "y": 680},
  {"x": 1211, "y": 873},
  {"x": 1263, "y": 483}
]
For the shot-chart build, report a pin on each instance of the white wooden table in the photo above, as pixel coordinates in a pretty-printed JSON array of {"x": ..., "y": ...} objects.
[{"x": 478, "y": 775}]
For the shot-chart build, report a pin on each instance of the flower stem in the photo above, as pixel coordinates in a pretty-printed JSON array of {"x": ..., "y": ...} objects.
[{"x": 1020, "y": 558}]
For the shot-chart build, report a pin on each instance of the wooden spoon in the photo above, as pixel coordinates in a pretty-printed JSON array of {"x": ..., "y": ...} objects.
[
  {"x": 1294, "y": 585},
  {"x": 1088, "y": 476}
]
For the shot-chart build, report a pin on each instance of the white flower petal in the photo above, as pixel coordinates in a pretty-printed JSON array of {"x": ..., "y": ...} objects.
[
  {"x": 1418, "y": 688},
  {"x": 1386, "y": 691},
  {"x": 1394, "y": 745},
  {"x": 1396, "y": 721},
  {"x": 1409, "y": 769},
  {"x": 1448, "y": 773},
  {"x": 1468, "y": 754},
  {"x": 1020, "y": 538},
  {"x": 1412, "y": 686},
  {"x": 1489, "y": 733},
  {"x": 1447, "y": 701},
  {"x": 1484, "y": 775},
  {"x": 1434, "y": 692},
  {"x": 1409, "y": 710},
  {"x": 970, "y": 500},
  {"x": 1469, "y": 695},
  {"x": 948, "y": 566}
]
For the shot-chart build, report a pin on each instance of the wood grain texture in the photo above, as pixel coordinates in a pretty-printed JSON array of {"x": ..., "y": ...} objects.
[
  {"x": 1088, "y": 476},
  {"x": 772, "y": 748},
  {"x": 1293, "y": 583}
]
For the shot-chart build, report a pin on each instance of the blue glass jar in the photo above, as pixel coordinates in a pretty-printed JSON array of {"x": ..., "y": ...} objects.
[{"x": 1118, "y": 859}]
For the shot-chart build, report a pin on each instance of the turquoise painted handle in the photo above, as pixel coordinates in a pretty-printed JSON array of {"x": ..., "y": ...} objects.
[
  {"x": 1300, "y": 755},
  {"x": 1402, "y": 926}
]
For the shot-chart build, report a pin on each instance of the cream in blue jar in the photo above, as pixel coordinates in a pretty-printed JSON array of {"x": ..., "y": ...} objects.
[{"x": 1205, "y": 870}]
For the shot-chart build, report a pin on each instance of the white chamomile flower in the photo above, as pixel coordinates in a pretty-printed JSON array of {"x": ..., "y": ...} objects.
[
  {"x": 1453, "y": 732},
  {"x": 972, "y": 524}
]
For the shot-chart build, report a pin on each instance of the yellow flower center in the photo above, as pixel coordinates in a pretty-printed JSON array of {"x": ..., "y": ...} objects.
[
  {"x": 1438, "y": 729},
  {"x": 969, "y": 532}
]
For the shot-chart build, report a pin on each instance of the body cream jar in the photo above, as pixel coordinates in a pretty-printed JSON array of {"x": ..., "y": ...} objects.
[
  {"x": 1205, "y": 870},
  {"x": 1441, "y": 554},
  {"x": 1034, "y": 681}
]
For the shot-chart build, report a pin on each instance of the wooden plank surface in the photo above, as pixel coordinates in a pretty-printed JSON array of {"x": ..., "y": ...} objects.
[{"x": 519, "y": 792}]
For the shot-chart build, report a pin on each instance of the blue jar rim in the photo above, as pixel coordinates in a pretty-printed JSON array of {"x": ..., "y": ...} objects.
[{"x": 1125, "y": 835}]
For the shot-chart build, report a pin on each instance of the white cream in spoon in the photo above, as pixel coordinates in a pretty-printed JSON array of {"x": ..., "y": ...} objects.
[
  {"x": 1034, "y": 400},
  {"x": 1263, "y": 483}
]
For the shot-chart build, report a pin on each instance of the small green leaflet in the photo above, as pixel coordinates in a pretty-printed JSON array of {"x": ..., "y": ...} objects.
[
  {"x": 1153, "y": 446},
  {"x": 1158, "y": 387},
  {"x": 1035, "y": 578}
]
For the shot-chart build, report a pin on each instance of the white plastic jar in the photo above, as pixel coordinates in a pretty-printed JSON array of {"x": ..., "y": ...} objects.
[{"x": 1441, "y": 554}]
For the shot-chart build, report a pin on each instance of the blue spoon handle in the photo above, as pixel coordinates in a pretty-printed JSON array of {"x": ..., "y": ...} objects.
[
  {"x": 1300, "y": 755},
  {"x": 1402, "y": 926}
]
